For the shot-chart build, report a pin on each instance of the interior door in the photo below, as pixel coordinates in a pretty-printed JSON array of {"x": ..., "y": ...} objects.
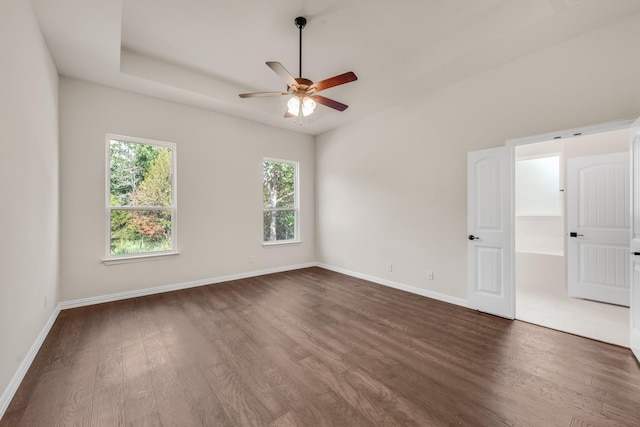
[
  {"x": 635, "y": 239},
  {"x": 598, "y": 198},
  {"x": 489, "y": 237}
]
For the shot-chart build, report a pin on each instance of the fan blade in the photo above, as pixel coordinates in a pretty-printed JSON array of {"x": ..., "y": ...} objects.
[
  {"x": 283, "y": 73},
  {"x": 287, "y": 114},
  {"x": 334, "y": 81},
  {"x": 330, "y": 103},
  {"x": 262, "y": 94}
]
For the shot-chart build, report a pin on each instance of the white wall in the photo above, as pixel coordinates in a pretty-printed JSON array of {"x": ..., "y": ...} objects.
[
  {"x": 392, "y": 187},
  {"x": 28, "y": 185},
  {"x": 219, "y": 190}
]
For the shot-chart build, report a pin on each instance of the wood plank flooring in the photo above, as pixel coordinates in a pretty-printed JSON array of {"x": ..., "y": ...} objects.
[{"x": 316, "y": 348}]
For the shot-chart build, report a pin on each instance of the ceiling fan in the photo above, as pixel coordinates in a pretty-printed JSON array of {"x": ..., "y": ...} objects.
[{"x": 304, "y": 91}]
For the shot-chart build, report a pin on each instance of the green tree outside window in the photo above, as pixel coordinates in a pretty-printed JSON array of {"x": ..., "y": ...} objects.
[
  {"x": 279, "y": 200},
  {"x": 141, "y": 198}
]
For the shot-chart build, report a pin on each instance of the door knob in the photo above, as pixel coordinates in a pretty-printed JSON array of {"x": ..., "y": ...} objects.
[
  {"x": 574, "y": 234},
  {"x": 472, "y": 237}
]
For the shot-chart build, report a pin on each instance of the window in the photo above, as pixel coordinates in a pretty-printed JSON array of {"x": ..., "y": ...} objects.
[
  {"x": 280, "y": 201},
  {"x": 537, "y": 185},
  {"x": 141, "y": 197}
]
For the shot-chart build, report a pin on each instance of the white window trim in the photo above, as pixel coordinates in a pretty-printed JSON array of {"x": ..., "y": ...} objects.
[
  {"x": 296, "y": 204},
  {"x": 147, "y": 256},
  {"x": 127, "y": 259}
]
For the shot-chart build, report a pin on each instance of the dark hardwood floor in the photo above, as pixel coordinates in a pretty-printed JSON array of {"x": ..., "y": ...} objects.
[{"x": 316, "y": 348}]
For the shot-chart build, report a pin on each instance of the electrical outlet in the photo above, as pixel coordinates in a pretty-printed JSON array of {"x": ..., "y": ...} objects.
[
  {"x": 430, "y": 275},
  {"x": 389, "y": 267}
]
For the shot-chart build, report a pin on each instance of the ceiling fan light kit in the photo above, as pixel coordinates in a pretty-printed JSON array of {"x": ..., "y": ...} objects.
[
  {"x": 304, "y": 91},
  {"x": 297, "y": 105}
]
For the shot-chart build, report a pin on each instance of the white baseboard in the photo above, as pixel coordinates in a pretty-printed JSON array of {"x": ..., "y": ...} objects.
[
  {"x": 407, "y": 288},
  {"x": 82, "y": 302},
  {"x": 11, "y": 389}
]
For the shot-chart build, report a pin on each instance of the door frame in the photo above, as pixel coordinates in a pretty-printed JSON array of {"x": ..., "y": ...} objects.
[
  {"x": 634, "y": 303},
  {"x": 516, "y": 142}
]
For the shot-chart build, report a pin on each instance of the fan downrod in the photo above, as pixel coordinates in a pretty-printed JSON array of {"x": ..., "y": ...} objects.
[{"x": 301, "y": 22}]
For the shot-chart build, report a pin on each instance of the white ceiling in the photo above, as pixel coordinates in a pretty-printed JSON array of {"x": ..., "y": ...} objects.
[{"x": 206, "y": 52}]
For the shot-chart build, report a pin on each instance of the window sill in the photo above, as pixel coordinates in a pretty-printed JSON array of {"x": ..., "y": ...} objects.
[
  {"x": 139, "y": 258},
  {"x": 281, "y": 242}
]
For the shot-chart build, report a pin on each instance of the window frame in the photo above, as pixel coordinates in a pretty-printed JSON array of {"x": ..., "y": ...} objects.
[
  {"x": 296, "y": 203},
  {"x": 142, "y": 256}
]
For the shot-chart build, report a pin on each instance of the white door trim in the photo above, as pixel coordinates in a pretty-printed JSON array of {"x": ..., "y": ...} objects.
[
  {"x": 634, "y": 312},
  {"x": 586, "y": 130},
  {"x": 515, "y": 142}
]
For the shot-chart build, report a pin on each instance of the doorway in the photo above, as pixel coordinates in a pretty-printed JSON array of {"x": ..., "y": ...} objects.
[{"x": 541, "y": 262}]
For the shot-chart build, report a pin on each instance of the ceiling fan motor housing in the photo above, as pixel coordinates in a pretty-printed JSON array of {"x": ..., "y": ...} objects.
[{"x": 303, "y": 84}]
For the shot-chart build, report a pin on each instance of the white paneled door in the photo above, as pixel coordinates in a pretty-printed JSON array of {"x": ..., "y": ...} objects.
[
  {"x": 635, "y": 240},
  {"x": 598, "y": 206},
  {"x": 489, "y": 240}
]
